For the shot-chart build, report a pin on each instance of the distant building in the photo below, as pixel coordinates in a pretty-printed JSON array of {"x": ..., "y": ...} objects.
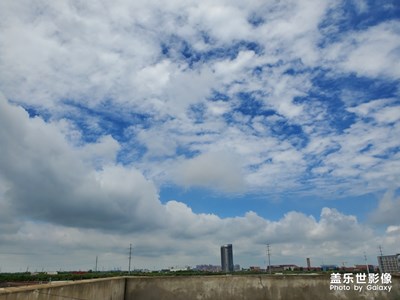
[
  {"x": 51, "y": 272},
  {"x": 255, "y": 268},
  {"x": 389, "y": 263},
  {"x": 359, "y": 268},
  {"x": 325, "y": 268},
  {"x": 308, "y": 263},
  {"x": 179, "y": 269},
  {"x": 227, "y": 258},
  {"x": 280, "y": 268},
  {"x": 208, "y": 268}
]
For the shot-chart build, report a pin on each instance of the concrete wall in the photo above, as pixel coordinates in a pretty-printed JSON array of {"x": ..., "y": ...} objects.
[
  {"x": 96, "y": 289},
  {"x": 198, "y": 287},
  {"x": 303, "y": 287}
]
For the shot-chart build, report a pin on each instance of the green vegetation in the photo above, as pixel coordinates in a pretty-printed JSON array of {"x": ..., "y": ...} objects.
[{"x": 43, "y": 277}]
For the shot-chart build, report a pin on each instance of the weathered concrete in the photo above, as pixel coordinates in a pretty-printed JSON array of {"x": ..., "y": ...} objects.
[
  {"x": 96, "y": 289},
  {"x": 248, "y": 287},
  {"x": 254, "y": 287}
]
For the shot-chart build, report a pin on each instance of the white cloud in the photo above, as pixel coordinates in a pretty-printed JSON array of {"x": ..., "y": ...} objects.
[
  {"x": 83, "y": 209},
  {"x": 388, "y": 211},
  {"x": 153, "y": 78},
  {"x": 194, "y": 239},
  {"x": 283, "y": 90},
  {"x": 231, "y": 67},
  {"x": 47, "y": 178},
  {"x": 218, "y": 108},
  {"x": 184, "y": 224},
  {"x": 382, "y": 110},
  {"x": 372, "y": 52},
  {"x": 362, "y": 158},
  {"x": 361, "y": 6},
  {"x": 224, "y": 21},
  {"x": 393, "y": 229},
  {"x": 102, "y": 152},
  {"x": 110, "y": 57},
  {"x": 220, "y": 170},
  {"x": 116, "y": 55}
]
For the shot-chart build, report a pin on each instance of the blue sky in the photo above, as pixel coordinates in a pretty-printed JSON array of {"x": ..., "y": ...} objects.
[{"x": 180, "y": 127}]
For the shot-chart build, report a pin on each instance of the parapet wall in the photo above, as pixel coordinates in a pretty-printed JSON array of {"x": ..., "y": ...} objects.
[
  {"x": 275, "y": 287},
  {"x": 96, "y": 289},
  {"x": 254, "y": 287}
]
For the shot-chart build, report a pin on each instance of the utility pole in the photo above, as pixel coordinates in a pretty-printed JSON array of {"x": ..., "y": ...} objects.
[
  {"x": 366, "y": 262},
  {"x": 269, "y": 259},
  {"x": 381, "y": 259},
  {"x": 96, "y": 264},
  {"x": 130, "y": 257}
]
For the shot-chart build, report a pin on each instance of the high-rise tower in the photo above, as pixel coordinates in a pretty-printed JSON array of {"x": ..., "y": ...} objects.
[
  {"x": 308, "y": 263},
  {"x": 227, "y": 258}
]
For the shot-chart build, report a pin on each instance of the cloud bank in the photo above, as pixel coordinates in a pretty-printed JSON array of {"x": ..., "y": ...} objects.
[{"x": 106, "y": 106}]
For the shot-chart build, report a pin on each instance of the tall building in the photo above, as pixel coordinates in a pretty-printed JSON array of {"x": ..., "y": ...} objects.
[
  {"x": 389, "y": 263},
  {"x": 308, "y": 263},
  {"x": 227, "y": 258}
]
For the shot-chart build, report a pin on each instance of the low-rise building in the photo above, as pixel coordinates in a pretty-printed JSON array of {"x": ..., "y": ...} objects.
[
  {"x": 325, "y": 268},
  {"x": 280, "y": 268},
  {"x": 389, "y": 263},
  {"x": 208, "y": 268},
  {"x": 364, "y": 268}
]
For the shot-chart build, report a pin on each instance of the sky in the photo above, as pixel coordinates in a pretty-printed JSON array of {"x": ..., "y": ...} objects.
[{"x": 179, "y": 126}]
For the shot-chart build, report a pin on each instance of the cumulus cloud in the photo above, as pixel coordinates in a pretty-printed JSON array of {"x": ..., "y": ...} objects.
[
  {"x": 190, "y": 238},
  {"x": 111, "y": 103},
  {"x": 85, "y": 207},
  {"x": 220, "y": 170},
  {"x": 388, "y": 211},
  {"x": 46, "y": 178}
]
